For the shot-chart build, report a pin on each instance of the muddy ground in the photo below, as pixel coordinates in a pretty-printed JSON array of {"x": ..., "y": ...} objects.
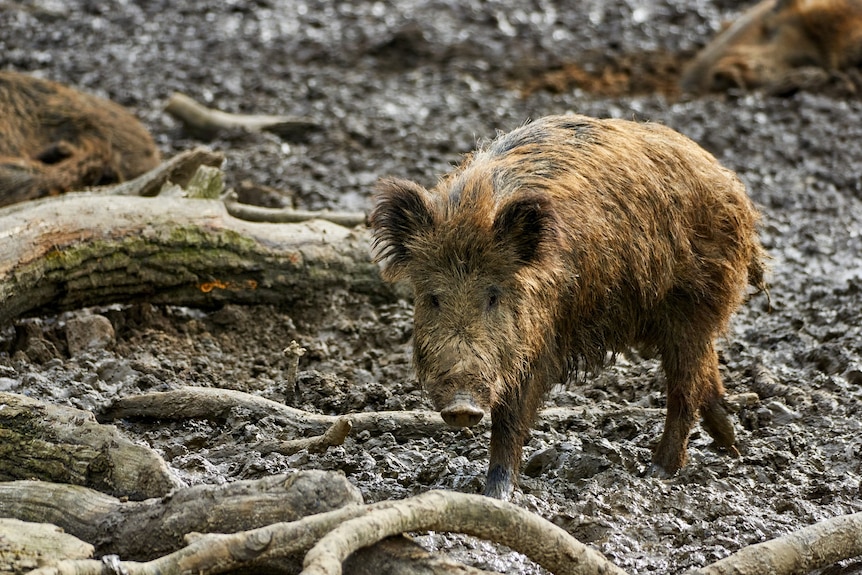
[{"x": 404, "y": 88}]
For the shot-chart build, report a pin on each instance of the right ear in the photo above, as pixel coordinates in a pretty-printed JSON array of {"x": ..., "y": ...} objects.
[{"x": 401, "y": 212}]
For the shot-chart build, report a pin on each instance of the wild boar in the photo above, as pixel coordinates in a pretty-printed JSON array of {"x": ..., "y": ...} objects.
[
  {"x": 774, "y": 40},
  {"x": 556, "y": 246},
  {"x": 55, "y": 139}
]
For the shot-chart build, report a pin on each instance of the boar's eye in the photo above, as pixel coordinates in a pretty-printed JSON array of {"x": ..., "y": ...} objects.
[
  {"x": 494, "y": 293},
  {"x": 434, "y": 301}
]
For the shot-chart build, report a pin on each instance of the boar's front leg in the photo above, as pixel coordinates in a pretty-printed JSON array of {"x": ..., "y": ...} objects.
[{"x": 511, "y": 421}]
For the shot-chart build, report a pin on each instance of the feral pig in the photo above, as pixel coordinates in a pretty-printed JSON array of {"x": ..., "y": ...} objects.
[
  {"x": 54, "y": 139},
  {"x": 557, "y": 245},
  {"x": 775, "y": 42}
]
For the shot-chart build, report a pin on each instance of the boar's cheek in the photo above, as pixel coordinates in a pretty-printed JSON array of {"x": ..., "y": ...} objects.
[
  {"x": 528, "y": 226},
  {"x": 402, "y": 211}
]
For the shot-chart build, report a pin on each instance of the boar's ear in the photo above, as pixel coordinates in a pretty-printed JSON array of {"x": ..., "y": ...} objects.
[
  {"x": 528, "y": 224},
  {"x": 400, "y": 213}
]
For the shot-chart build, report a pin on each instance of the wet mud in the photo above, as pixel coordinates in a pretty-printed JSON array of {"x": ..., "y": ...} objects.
[{"x": 404, "y": 88}]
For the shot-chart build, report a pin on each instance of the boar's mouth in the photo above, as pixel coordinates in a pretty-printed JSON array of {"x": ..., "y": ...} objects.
[{"x": 462, "y": 411}]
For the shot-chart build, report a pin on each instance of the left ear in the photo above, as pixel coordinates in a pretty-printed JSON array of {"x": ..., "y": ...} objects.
[{"x": 528, "y": 224}]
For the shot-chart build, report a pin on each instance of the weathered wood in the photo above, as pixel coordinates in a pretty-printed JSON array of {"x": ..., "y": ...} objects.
[
  {"x": 142, "y": 530},
  {"x": 797, "y": 553},
  {"x": 289, "y": 215},
  {"x": 499, "y": 521},
  {"x": 178, "y": 170},
  {"x": 57, "y": 443},
  {"x": 80, "y": 250},
  {"x": 206, "y": 122},
  {"x": 217, "y": 404},
  {"x": 25, "y": 546}
]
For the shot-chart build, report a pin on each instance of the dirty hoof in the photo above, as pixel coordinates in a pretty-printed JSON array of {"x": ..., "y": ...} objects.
[
  {"x": 656, "y": 471},
  {"x": 499, "y": 484}
]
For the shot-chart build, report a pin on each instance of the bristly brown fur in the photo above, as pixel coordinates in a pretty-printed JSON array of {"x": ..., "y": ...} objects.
[
  {"x": 56, "y": 139},
  {"x": 559, "y": 243}
]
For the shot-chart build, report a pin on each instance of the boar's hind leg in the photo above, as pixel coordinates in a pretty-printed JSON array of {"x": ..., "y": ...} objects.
[
  {"x": 693, "y": 385},
  {"x": 511, "y": 421}
]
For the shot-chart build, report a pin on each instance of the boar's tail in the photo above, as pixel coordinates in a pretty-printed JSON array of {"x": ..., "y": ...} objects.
[{"x": 757, "y": 275}]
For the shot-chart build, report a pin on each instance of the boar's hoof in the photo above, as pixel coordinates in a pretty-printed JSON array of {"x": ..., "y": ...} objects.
[
  {"x": 499, "y": 484},
  {"x": 462, "y": 412},
  {"x": 658, "y": 472}
]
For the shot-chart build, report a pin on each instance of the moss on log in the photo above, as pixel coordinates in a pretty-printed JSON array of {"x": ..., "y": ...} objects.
[{"x": 82, "y": 249}]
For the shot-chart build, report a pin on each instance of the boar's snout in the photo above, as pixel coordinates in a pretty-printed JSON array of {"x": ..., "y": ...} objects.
[{"x": 462, "y": 411}]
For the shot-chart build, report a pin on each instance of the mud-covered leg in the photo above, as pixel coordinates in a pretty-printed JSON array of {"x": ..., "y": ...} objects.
[
  {"x": 693, "y": 384},
  {"x": 511, "y": 421}
]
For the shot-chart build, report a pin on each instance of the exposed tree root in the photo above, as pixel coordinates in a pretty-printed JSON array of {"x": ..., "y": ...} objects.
[
  {"x": 797, "y": 553},
  {"x": 502, "y": 522}
]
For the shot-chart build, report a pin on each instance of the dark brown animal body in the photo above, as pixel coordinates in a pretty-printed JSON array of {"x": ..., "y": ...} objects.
[
  {"x": 774, "y": 40},
  {"x": 54, "y": 139},
  {"x": 557, "y": 245}
]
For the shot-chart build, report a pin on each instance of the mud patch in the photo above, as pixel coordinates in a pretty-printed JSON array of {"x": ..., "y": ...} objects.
[{"x": 800, "y": 157}]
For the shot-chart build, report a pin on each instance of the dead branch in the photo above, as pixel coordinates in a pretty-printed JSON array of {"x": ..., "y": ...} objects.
[
  {"x": 63, "y": 444},
  {"x": 252, "y": 213},
  {"x": 147, "y": 529},
  {"x": 335, "y": 435},
  {"x": 206, "y": 122},
  {"x": 499, "y": 521},
  {"x": 80, "y": 250},
  {"x": 218, "y": 404}
]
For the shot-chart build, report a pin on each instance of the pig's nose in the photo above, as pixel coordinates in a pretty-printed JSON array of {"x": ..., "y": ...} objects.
[{"x": 462, "y": 412}]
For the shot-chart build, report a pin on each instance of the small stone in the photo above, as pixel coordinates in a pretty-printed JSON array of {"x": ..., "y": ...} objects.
[{"x": 88, "y": 332}]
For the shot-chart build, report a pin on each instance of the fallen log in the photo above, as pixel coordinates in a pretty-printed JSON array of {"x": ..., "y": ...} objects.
[
  {"x": 63, "y": 444},
  {"x": 142, "y": 530},
  {"x": 25, "y": 546},
  {"x": 81, "y": 250},
  {"x": 174, "y": 526}
]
